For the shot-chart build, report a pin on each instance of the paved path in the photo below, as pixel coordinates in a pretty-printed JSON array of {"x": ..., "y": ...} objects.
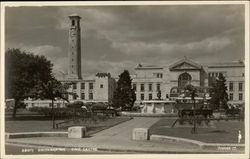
[{"x": 118, "y": 137}]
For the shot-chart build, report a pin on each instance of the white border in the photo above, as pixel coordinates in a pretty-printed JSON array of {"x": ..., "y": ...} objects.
[{"x": 115, "y": 3}]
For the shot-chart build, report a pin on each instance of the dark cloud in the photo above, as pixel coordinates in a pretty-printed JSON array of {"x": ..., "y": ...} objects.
[{"x": 118, "y": 37}]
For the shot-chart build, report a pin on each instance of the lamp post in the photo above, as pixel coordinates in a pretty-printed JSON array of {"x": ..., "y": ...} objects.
[{"x": 194, "y": 121}]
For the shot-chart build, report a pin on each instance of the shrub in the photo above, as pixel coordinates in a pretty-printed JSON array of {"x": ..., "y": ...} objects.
[{"x": 59, "y": 112}]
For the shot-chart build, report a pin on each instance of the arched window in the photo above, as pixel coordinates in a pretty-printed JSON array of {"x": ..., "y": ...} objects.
[{"x": 184, "y": 79}]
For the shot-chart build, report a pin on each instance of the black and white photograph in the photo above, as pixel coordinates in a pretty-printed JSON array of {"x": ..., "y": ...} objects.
[{"x": 121, "y": 79}]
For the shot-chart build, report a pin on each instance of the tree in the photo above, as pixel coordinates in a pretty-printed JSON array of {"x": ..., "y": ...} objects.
[
  {"x": 23, "y": 71},
  {"x": 51, "y": 89},
  {"x": 124, "y": 95},
  {"x": 218, "y": 93}
]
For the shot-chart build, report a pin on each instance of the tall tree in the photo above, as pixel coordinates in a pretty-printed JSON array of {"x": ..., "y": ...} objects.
[
  {"x": 124, "y": 95},
  {"x": 23, "y": 70},
  {"x": 51, "y": 89},
  {"x": 218, "y": 93}
]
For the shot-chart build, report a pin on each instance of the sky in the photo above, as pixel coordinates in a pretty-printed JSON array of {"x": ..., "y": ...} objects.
[{"x": 114, "y": 38}]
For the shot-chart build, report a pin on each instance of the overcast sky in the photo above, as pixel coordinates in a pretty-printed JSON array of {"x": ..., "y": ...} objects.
[{"x": 115, "y": 38}]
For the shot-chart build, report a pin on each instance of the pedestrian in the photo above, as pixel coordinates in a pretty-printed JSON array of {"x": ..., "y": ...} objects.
[{"x": 239, "y": 137}]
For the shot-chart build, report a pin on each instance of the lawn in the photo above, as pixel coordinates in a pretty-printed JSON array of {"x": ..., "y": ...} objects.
[
  {"x": 12, "y": 126},
  {"x": 31, "y": 122},
  {"x": 224, "y": 131}
]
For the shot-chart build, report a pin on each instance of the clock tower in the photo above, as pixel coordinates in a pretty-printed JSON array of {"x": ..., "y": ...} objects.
[{"x": 74, "y": 51}]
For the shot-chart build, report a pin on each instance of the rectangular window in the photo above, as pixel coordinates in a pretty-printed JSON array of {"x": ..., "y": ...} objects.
[
  {"x": 150, "y": 96},
  {"x": 240, "y": 96},
  {"x": 158, "y": 87},
  {"x": 231, "y": 96},
  {"x": 159, "y": 75},
  {"x": 74, "y": 85},
  {"x": 101, "y": 85},
  {"x": 90, "y": 85},
  {"x": 90, "y": 96},
  {"x": 82, "y": 96},
  {"x": 240, "y": 86},
  {"x": 134, "y": 86},
  {"x": 142, "y": 88},
  {"x": 142, "y": 96},
  {"x": 150, "y": 87},
  {"x": 82, "y": 85},
  {"x": 231, "y": 86},
  {"x": 74, "y": 97}
]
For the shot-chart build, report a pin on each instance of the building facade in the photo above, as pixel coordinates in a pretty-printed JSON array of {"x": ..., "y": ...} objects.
[
  {"x": 171, "y": 79},
  {"x": 235, "y": 79}
]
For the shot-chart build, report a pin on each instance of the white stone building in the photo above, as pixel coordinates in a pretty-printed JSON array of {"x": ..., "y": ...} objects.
[{"x": 148, "y": 80}]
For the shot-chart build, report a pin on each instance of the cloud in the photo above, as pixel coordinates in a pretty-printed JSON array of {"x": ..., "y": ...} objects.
[
  {"x": 114, "y": 38},
  {"x": 115, "y": 68},
  {"x": 211, "y": 45}
]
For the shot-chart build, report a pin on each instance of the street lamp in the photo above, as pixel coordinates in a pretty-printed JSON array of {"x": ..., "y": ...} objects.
[{"x": 193, "y": 94}]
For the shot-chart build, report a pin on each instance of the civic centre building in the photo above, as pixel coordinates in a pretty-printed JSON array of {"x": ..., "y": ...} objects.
[
  {"x": 147, "y": 80},
  {"x": 170, "y": 80}
]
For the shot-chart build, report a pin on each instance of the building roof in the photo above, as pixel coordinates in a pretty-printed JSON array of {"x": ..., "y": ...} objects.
[
  {"x": 226, "y": 64},
  {"x": 185, "y": 60},
  {"x": 101, "y": 74},
  {"x": 74, "y": 15},
  {"x": 193, "y": 64},
  {"x": 140, "y": 66}
]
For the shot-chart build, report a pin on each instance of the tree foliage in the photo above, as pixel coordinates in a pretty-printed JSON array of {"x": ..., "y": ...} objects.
[
  {"x": 219, "y": 96},
  {"x": 124, "y": 95},
  {"x": 29, "y": 75},
  {"x": 23, "y": 70}
]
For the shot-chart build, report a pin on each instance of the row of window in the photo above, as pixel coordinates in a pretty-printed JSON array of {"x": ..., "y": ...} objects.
[
  {"x": 83, "y": 96},
  {"x": 231, "y": 96},
  {"x": 158, "y": 75},
  {"x": 231, "y": 86},
  {"x": 150, "y": 96},
  {"x": 91, "y": 86},
  {"x": 215, "y": 74},
  {"x": 150, "y": 87}
]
